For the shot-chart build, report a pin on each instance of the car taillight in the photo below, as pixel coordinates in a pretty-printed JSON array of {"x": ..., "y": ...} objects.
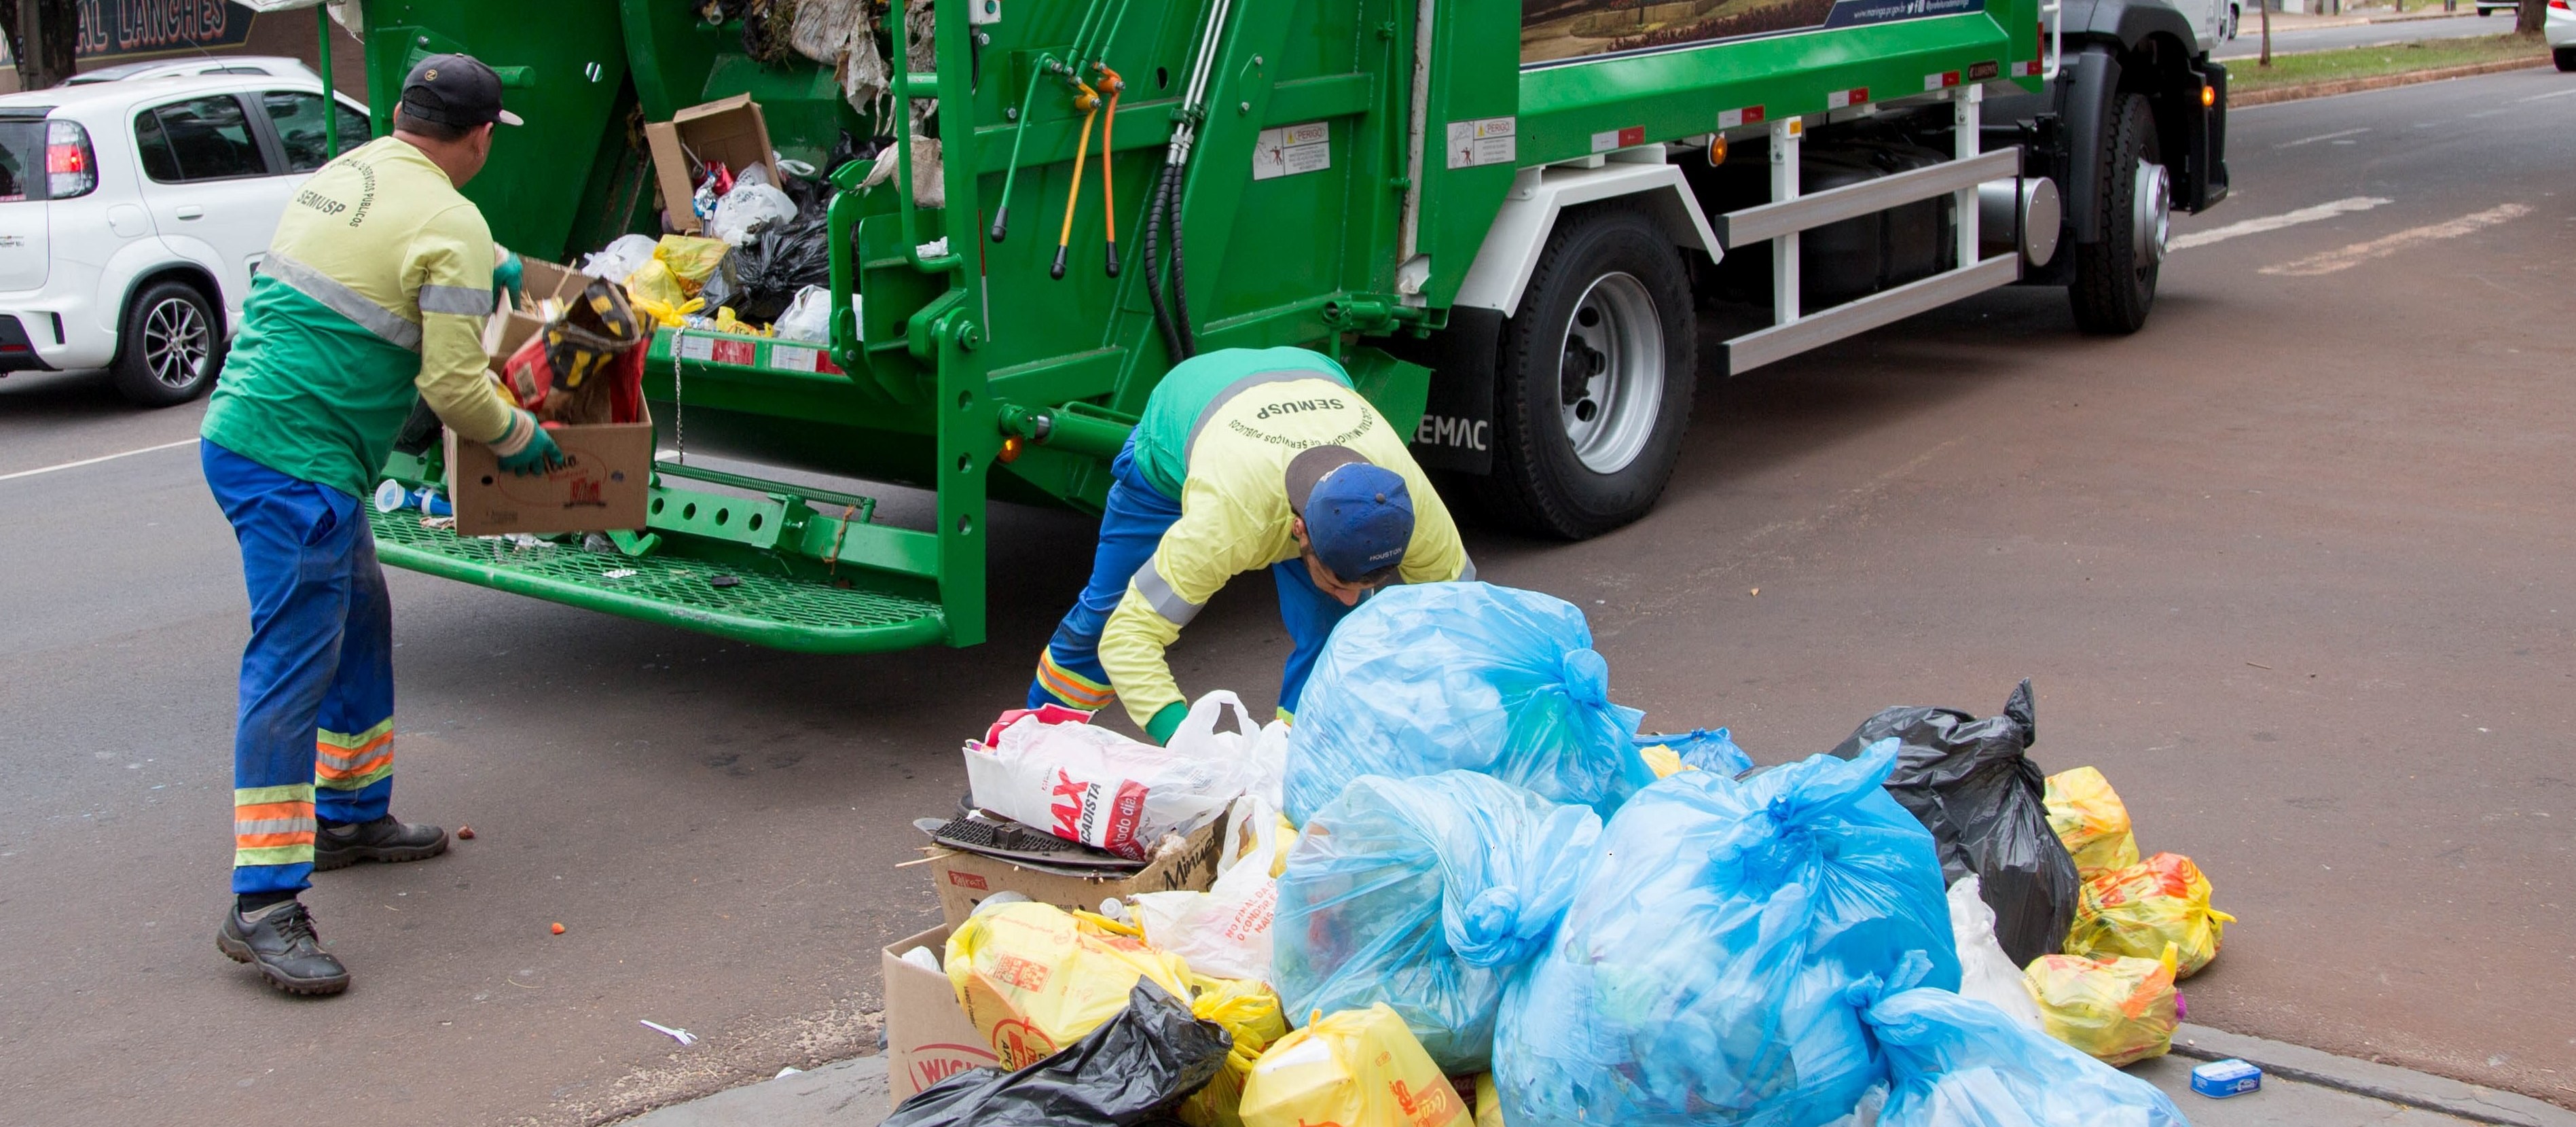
[
  {"x": 2561, "y": 5},
  {"x": 71, "y": 167}
]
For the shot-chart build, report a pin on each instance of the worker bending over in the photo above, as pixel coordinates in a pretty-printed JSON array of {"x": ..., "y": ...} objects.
[
  {"x": 1244, "y": 459},
  {"x": 377, "y": 284}
]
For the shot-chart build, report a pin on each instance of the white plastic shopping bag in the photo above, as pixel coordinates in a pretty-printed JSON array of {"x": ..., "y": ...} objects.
[
  {"x": 1262, "y": 749},
  {"x": 1088, "y": 784},
  {"x": 1985, "y": 972},
  {"x": 1225, "y": 931}
]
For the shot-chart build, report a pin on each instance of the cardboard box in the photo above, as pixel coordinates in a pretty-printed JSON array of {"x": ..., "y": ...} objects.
[
  {"x": 602, "y": 486},
  {"x": 542, "y": 282},
  {"x": 729, "y": 132},
  {"x": 928, "y": 1038},
  {"x": 965, "y": 879}
]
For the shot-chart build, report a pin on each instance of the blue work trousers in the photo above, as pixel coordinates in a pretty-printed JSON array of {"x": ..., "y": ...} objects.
[
  {"x": 1131, "y": 526},
  {"x": 313, "y": 740}
]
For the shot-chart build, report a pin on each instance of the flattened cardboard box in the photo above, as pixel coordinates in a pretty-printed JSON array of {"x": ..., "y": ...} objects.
[
  {"x": 965, "y": 879},
  {"x": 609, "y": 467},
  {"x": 728, "y": 131},
  {"x": 928, "y": 1038}
]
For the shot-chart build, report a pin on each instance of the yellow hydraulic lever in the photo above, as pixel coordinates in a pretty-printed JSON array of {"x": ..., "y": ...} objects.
[
  {"x": 1089, "y": 104},
  {"x": 1110, "y": 82}
]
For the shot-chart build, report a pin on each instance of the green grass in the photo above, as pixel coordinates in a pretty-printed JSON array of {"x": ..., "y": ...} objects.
[{"x": 2365, "y": 62}]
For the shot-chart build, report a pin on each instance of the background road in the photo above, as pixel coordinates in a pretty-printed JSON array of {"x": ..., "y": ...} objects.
[
  {"x": 2293, "y": 566},
  {"x": 2249, "y": 36}
]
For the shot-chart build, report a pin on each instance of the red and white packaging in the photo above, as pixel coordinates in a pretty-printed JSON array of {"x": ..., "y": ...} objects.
[{"x": 1091, "y": 785}]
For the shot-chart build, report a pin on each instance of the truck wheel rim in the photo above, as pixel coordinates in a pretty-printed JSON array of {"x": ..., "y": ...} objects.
[
  {"x": 175, "y": 342},
  {"x": 2151, "y": 217},
  {"x": 1610, "y": 373}
]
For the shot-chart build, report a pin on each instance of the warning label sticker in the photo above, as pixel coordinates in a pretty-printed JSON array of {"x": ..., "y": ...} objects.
[
  {"x": 1627, "y": 138},
  {"x": 1292, "y": 149},
  {"x": 1749, "y": 115},
  {"x": 1488, "y": 140}
]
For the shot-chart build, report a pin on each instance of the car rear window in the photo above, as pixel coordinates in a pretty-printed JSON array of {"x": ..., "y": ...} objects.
[{"x": 22, "y": 161}]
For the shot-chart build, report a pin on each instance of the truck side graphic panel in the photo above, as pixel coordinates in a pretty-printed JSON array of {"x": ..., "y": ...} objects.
[{"x": 1562, "y": 31}]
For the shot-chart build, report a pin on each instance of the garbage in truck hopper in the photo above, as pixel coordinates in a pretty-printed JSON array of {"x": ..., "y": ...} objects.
[{"x": 1732, "y": 945}]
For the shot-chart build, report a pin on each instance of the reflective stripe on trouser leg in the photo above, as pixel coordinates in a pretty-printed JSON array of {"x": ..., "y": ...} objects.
[
  {"x": 297, "y": 541},
  {"x": 353, "y": 746},
  {"x": 1310, "y": 616},
  {"x": 1131, "y": 526},
  {"x": 273, "y": 829}
]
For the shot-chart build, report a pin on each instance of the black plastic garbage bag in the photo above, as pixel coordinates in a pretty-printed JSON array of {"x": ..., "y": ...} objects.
[
  {"x": 1968, "y": 781},
  {"x": 1130, "y": 1071},
  {"x": 785, "y": 258}
]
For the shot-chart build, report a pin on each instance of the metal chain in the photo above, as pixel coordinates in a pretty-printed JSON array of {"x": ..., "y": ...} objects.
[{"x": 679, "y": 405}]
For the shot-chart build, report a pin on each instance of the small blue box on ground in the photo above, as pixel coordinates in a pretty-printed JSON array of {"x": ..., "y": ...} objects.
[{"x": 2220, "y": 1079}]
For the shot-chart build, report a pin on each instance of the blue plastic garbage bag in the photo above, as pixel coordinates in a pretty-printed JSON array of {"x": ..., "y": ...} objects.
[
  {"x": 1425, "y": 894},
  {"x": 1698, "y": 977},
  {"x": 1704, "y": 750},
  {"x": 1959, "y": 1062},
  {"x": 1435, "y": 677}
]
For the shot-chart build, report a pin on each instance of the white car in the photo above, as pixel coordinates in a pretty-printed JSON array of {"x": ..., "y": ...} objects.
[
  {"x": 2559, "y": 27},
  {"x": 272, "y": 65},
  {"x": 133, "y": 213}
]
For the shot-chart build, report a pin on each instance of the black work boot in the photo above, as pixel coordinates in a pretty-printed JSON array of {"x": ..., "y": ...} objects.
[
  {"x": 385, "y": 839},
  {"x": 282, "y": 944}
]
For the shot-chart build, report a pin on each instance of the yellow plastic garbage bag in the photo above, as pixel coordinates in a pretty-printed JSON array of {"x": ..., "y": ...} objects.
[
  {"x": 1663, "y": 760},
  {"x": 2090, "y": 819},
  {"x": 691, "y": 259},
  {"x": 2141, "y": 910},
  {"x": 1250, "y": 1012},
  {"x": 1356, "y": 1068},
  {"x": 2115, "y": 1009},
  {"x": 656, "y": 293},
  {"x": 1489, "y": 1103},
  {"x": 1035, "y": 978}
]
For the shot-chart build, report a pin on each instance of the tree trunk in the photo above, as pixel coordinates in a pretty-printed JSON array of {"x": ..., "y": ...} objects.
[
  {"x": 2527, "y": 16},
  {"x": 45, "y": 37},
  {"x": 2265, "y": 7}
]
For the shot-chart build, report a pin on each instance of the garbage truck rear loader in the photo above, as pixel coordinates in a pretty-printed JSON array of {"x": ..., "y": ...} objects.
[{"x": 1507, "y": 230}]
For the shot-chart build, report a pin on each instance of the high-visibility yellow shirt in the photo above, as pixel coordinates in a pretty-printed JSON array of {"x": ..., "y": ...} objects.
[
  {"x": 1245, "y": 425},
  {"x": 377, "y": 284}
]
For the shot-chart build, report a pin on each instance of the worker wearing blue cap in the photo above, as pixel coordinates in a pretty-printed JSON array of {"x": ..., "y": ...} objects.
[{"x": 1244, "y": 459}]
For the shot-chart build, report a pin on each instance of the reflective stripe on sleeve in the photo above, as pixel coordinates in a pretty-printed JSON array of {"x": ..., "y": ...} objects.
[
  {"x": 1466, "y": 568},
  {"x": 462, "y": 300},
  {"x": 344, "y": 301},
  {"x": 1160, "y": 596}
]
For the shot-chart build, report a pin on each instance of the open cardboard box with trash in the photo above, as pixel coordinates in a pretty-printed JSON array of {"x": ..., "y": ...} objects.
[{"x": 1465, "y": 889}]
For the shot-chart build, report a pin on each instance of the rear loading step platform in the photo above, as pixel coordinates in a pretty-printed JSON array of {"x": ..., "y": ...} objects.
[{"x": 794, "y": 577}]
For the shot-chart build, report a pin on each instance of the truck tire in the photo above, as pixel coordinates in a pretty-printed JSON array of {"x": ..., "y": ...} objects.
[
  {"x": 169, "y": 348},
  {"x": 2115, "y": 279},
  {"x": 1596, "y": 371}
]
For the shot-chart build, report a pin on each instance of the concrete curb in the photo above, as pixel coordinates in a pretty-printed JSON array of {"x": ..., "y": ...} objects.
[
  {"x": 2377, "y": 1081},
  {"x": 2376, "y": 82},
  {"x": 845, "y": 1093}
]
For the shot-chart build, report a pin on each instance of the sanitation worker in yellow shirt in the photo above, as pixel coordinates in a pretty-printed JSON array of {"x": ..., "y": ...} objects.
[
  {"x": 1244, "y": 459},
  {"x": 374, "y": 291}
]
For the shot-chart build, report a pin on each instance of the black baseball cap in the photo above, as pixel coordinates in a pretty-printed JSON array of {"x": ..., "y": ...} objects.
[{"x": 456, "y": 90}]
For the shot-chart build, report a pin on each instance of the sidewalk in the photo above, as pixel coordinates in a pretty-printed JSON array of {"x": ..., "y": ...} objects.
[
  {"x": 2305, "y": 21},
  {"x": 2301, "y": 1088}
]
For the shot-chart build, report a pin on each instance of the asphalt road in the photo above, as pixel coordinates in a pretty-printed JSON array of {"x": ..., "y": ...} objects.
[
  {"x": 2249, "y": 36},
  {"x": 2293, "y": 567}
]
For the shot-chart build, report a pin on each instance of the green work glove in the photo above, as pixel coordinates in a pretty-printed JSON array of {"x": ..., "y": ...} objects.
[
  {"x": 1167, "y": 722},
  {"x": 510, "y": 277},
  {"x": 538, "y": 456}
]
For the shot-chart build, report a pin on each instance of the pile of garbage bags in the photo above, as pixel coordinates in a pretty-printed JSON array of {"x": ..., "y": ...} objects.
[{"x": 1474, "y": 892}]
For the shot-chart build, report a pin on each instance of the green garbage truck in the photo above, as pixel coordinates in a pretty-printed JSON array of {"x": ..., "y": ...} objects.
[{"x": 1508, "y": 230}]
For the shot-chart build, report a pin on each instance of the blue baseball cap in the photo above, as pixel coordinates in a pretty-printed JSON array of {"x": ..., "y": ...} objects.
[{"x": 1359, "y": 516}]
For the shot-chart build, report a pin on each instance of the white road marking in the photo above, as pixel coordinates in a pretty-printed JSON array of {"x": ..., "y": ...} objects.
[
  {"x": 2321, "y": 137},
  {"x": 2544, "y": 97},
  {"x": 2382, "y": 247},
  {"x": 2276, "y": 222},
  {"x": 97, "y": 460}
]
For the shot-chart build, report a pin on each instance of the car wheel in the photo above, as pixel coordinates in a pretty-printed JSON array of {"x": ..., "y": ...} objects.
[
  {"x": 1596, "y": 379},
  {"x": 170, "y": 348},
  {"x": 2565, "y": 57},
  {"x": 2115, "y": 279}
]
